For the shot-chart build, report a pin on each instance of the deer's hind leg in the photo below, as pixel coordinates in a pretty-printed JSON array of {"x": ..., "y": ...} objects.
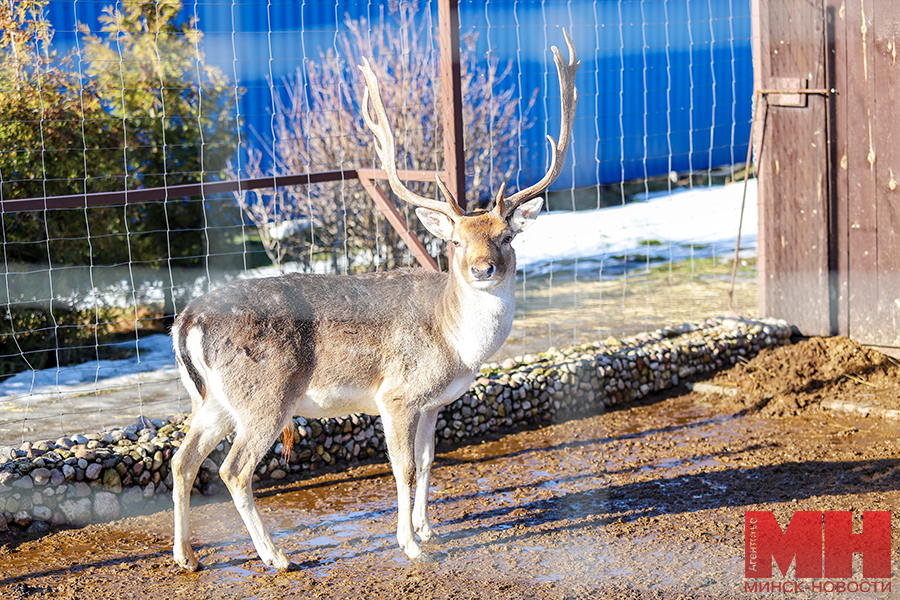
[
  {"x": 209, "y": 425},
  {"x": 255, "y": 433}
]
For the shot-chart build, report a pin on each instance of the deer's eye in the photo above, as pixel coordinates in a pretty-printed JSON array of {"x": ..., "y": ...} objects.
[{"x": 507, "y": 239}]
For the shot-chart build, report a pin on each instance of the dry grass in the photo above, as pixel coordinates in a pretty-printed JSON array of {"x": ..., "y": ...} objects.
[{"x": 564, "y": 311}]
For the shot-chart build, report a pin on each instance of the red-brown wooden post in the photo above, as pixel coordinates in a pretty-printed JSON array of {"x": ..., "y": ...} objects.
[{"x": 451, "y": 99}]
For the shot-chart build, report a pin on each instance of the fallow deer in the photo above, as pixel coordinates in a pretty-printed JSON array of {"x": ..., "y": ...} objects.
[{"x": 400, "y": 344}]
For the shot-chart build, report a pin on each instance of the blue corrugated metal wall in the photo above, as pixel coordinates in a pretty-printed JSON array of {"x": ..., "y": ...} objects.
[{"x": 664, "y": 84}]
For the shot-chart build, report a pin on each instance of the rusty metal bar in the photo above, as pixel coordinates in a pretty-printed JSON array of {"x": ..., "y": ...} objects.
[
  {"x": 737, "y": 244},
  {"x": 821, "y": 92},
  {"x": 365, "y": 176},
  {"x": 397, "y": 221},
  {"x": 173, "y": 191},
  {"x": 198, "y": 189},
  {"x": 405, "y": 175}
]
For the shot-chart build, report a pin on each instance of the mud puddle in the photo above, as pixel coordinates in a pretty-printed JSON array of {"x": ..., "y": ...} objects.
[{"x": 646, "y": 501}]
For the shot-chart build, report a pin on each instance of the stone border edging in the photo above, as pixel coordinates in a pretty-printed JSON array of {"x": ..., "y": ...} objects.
[
  {"x": 100, "y": 477},
  {"x": 864, "y": 410}
]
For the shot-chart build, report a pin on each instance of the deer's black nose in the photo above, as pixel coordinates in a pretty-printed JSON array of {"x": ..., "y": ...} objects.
[{"x": 483, "y": 272}]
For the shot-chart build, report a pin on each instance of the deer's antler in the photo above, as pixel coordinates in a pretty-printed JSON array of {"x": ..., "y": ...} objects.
[
  {"x": 384, "y": 147},
  {"x": 569, "y": 100}
]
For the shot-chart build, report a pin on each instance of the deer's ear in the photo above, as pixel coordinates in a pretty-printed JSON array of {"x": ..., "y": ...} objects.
[
  {"x": 525, "y": 214},
  {"x": 437, "y": 223}
]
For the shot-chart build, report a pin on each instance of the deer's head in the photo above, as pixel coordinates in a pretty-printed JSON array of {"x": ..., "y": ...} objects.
[{"x": 481, "y": 239}]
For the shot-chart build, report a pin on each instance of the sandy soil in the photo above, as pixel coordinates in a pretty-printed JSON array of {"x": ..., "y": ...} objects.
[{"x": 646, "y": 501}]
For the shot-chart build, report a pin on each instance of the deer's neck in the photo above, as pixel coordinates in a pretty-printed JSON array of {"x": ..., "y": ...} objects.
[{"x": 479, "y": 321}]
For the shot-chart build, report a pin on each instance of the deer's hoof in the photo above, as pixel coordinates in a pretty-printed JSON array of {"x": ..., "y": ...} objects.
[
  {"x": 189, "y": 564},
  {"x": 281, "y": 562},
  {"x": 412, "y": 550},
  {"x": 429, "y": 536},
  {"x": 425, "y": 558},
  {"x": 291, "y": 566}
]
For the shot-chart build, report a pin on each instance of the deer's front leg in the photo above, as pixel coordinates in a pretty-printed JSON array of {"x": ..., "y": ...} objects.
[
  {"x": 424, "y": 460},
  {"x": 399, "y": 433}
]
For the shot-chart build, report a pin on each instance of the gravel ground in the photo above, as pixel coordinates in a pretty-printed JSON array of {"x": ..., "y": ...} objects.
[{"x": 644, "y": 501}]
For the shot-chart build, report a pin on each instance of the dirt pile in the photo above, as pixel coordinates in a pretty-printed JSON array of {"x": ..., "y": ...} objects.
[{"x": 791, "y": 379}]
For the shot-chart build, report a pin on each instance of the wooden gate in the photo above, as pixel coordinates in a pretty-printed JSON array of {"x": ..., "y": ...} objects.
[{"x": 829, "y": 166}]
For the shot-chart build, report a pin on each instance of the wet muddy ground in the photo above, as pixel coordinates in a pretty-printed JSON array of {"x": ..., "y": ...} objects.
[{"x": 645, "y": 501}]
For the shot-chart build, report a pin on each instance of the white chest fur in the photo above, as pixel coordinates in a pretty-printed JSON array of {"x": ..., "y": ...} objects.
[{"x": 483, "y": 323}]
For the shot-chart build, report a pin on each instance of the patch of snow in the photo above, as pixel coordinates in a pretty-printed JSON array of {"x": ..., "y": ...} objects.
[
  {"x": 698, "y": 223},
  {"x": 154, "y": 361}
]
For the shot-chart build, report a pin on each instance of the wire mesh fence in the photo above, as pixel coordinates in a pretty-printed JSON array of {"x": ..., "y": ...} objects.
[{"x": 109, "y": 109}]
